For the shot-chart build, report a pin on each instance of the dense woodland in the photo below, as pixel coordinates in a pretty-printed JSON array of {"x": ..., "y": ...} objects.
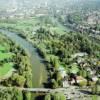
[{"x": 57, "y": 49}]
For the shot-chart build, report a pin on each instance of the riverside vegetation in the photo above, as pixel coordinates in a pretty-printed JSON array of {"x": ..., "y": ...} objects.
[
  {"x": 58, "y": 49},
  {"x": 15, "y": 70}
]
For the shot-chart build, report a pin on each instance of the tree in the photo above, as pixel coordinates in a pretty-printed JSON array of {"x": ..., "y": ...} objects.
[
  {"x": 88, "y": 78},
  {"x": 55, "y": 63},
  {"x": 83, "y": 73},
  {"x": 94, "y": 97},
  {"x": 17, "y": 94},
  {"x": 27, "y": 96},
  {"x": 47, "y": 97},
  {"x": 96, "y": 88},
  {"x": 62, "y": 96},
  {"x": 28, "y": 77},
  {"x": 58, "y": 96},
  {"x": 54, "y": 84},
  {"x": 20, "y": 80},
  {"x": 58, "y": 76}
]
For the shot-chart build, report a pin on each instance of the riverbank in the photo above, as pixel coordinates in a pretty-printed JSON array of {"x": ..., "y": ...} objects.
[
  {"x": 15, "y": 69},
  {"x": 38, "y": 68}
]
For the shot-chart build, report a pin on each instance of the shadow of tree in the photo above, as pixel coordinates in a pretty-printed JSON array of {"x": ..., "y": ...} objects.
[{"x": 86, "y": 92}]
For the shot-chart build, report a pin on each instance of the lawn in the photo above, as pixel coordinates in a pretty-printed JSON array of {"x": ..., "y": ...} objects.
[
  {"x": 26, "y": 26},
  {"x": 5, "y": 55},
  {"x": 2, "y": 48},
  {"x": 58, "y": 30},
  {"x": 5, "y": 68}
]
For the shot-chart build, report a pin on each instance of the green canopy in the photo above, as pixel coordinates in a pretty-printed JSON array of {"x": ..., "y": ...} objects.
[{"x": 74, "y": 69}]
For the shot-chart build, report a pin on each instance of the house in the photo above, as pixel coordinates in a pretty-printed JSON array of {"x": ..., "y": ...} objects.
[
  {"x": 62, "y": 71},
  {"x": 81, "y": 54},
  {"x": 65, "y": 82},
  {"x": 94, "y": 79},
  {"x": 80, "y": 60},
  {"x": 78, "y": 79},
  {"x": 91, "y": 19},
  {"x": 91, "y": 71},
  {"x": 64, "y": 76}
]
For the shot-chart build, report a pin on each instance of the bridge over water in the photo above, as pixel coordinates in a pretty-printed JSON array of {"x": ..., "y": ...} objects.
[{"x": 36, "y": 90}]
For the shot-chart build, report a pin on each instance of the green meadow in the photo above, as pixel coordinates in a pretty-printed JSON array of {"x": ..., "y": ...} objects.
[
  {"x": 5, "y": 68},
  {"x": 6, "y": 57}
]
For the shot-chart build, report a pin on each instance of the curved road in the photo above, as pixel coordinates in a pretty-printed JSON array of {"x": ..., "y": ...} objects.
[{"x": 38, "y": 68}]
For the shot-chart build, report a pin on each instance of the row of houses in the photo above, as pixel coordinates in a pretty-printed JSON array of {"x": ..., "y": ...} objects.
[{"x": 74, "y": 77}]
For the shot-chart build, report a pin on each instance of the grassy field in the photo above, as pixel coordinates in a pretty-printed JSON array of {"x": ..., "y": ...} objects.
[
  {"x": 23, "y": 25},
  {"x": 27, "y": 26},
  {"x": 5, "y": 68},
  {"x": 4, "y": 56},
  {"x": 2, "y": 48}
]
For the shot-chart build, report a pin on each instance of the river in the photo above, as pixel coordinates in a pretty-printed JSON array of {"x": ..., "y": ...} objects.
[{"x": 39, "y": 72}]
